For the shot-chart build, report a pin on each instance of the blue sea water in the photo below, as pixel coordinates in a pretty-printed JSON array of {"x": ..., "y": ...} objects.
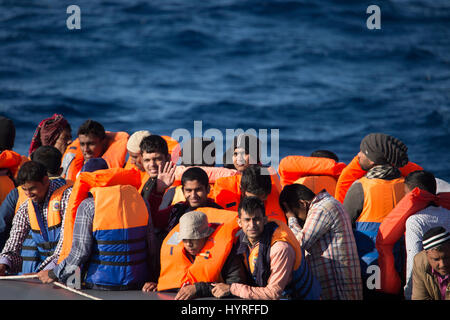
[{"x": 311, "y": 69}]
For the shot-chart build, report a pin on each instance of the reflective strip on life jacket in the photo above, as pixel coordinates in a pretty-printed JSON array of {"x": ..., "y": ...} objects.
[
  {"x": 292, "y": 168},
  {"x": 84, "y": 183},
  {"x": 119, "y": 256},
  {"x": 177, "y": 269}
]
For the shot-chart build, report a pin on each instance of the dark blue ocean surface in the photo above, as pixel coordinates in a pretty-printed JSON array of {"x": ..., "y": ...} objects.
[{"x": 311, "y": 69}]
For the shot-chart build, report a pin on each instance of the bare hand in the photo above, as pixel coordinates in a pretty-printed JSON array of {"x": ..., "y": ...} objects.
[
  {"x": 43, "y": 276},
  {"x": 220, "y": 289},
  {"x": 149, "y": 286},
  {"x": 166, "y": 176},
  {"x": 288, "y": 211},
  {"x": 186, "y": 292}
]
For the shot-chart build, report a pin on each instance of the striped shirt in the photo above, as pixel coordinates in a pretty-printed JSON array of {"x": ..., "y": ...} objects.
[
  {"x": 21, "y": 227},
  {"x": 327, "y": 237},
  {"x": 416, "y": 226}
]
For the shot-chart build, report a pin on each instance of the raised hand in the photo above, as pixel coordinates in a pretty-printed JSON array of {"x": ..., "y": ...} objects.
[{"x": 166, "y": 176}]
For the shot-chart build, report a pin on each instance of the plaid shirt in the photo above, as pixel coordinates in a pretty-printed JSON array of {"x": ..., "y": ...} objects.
[
  {"x": 21, "y": 227},
  {"x": 327, "y": 237},
  {"x": 84, "y": 242}
]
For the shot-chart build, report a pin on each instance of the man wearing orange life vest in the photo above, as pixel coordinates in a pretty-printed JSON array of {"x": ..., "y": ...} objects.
[
  {"x": 206, "y": 255},
  {"x": 195, "y": 188},
  {"x": 273, "y": 259},
  {"x": 160, "y": 171},
  {"x": 43, "y": 213},
  {"x": 50, "y": 157},
  {"x": 94, "y": 142},
  {"x": 370, "y": 199},
  {"x": 112, "y": 237}
]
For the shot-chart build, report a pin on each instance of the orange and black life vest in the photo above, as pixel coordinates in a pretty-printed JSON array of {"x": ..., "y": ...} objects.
[{"x": 177, "y": 269}]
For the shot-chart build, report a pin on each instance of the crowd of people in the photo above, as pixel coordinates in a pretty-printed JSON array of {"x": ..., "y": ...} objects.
[{"x": 142, "y": 212}]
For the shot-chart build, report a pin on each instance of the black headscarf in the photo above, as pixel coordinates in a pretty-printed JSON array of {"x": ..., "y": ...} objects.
[{"x": 384, "y": 149}]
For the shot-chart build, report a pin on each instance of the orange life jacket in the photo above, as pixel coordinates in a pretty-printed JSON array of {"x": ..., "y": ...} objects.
[
  {"x": 293, "y": 168},
  {"x": 177, "y": 269},
  {"x": 120, "y": 230},
  {"x": 114, "y": 155},
  {"x": 213, "y": 173},
  {"x": 11, "y": 161},
  {"x": 85, "y": 182},
  {"x": 353, "y": 172},
  {"x": 227, "y": 193},
  {"x": 380, "y": 197},
  {"x": 393, "y": 228},
  {"x": 282, "y": 233},
  {"x": 318, "y": 183},
  {"x": 173, "y": 147}
]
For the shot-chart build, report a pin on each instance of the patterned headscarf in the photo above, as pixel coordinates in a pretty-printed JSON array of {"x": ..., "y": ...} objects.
[{"x": 48, "y": 132}]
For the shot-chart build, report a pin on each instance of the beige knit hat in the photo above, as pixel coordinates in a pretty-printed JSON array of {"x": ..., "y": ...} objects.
[
  {"x": 194, "y": 225},
  {"x": 135, "y": 140}
]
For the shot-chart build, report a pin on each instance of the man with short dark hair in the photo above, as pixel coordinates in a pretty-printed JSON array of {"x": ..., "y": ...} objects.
[
  {"x": 50, "y": 157},
  {"x": 94, "y": 142},
  {"x": 324, "y": 230},
  {"x": 195, "y": 187},
  {"x": 431, "y": 271},
  {"x": 273, "y": 259},
  {"x": 43, "y": 213}
]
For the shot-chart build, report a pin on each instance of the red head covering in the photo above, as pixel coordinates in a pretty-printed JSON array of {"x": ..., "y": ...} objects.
[{"x": 48, "y": 132}]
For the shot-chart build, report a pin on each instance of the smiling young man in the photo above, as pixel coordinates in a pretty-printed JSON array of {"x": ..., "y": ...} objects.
[
  {"x": 43, "y": 214},
  {"x": 195, "y": 187}
]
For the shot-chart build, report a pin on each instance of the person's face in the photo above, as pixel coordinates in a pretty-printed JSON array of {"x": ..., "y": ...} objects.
[
  {"x": 263, "y": 198},
  {"x": 136, "y": 159},
  {"x": 151, "y": 161},
  {"x": 64, "y": 139},
  {"x": 365, "y": 163},
  {"x": 439, "y": 260},
  {"x": 195, "y": 193},
  {"x": 36, "y": 190},
  {"x": 194, "y": 246},
  {"x": 252, "y": 224},
  {"x": 241, "y": 160},
  {"x": 91, "y": 146}
]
